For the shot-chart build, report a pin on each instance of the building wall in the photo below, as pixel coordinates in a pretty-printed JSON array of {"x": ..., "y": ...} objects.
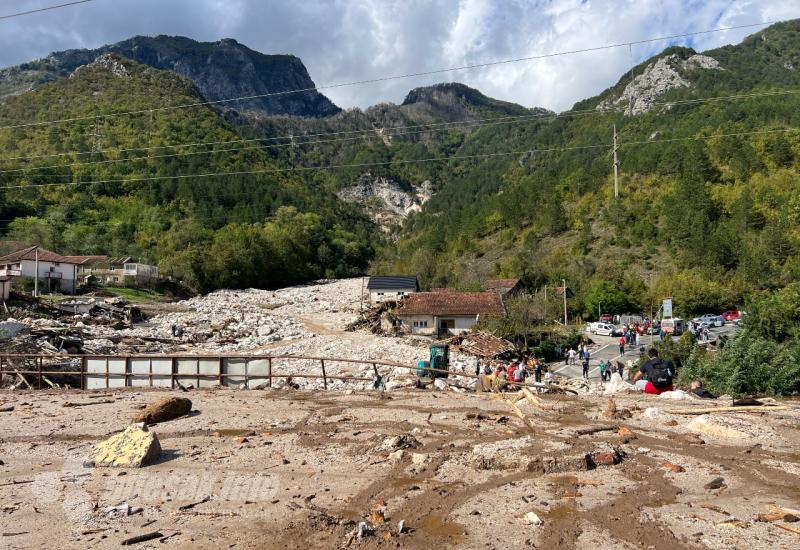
[
  {"x": 380, "y": 296},
  {"x": 66, "y": 283},
  {"x": 415, "y": 324}
]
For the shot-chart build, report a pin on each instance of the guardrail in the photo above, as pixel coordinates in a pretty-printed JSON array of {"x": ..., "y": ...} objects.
[{"x": 204, "y": 370}]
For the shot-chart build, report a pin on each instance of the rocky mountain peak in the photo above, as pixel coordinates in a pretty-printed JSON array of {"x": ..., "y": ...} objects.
[
  {"x": 110, "y": 62},
  {"x": 221, "y": 70},
  {"x": 660, "y": 76}
]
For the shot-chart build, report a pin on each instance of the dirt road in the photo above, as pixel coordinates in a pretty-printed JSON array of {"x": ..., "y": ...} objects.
[{"x": 302, "y": 469}]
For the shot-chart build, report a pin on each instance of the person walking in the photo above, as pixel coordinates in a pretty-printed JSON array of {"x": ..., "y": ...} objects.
[
  {"x": 585, "y": 365},
  {"x": 622, "y": 343},
  {"x": 572, "y": 354},
  {"x": 537, "y": 370}
]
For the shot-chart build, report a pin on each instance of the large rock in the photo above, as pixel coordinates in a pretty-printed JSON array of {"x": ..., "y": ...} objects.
[
  {"x": 704, "y": 425},
  {"x": 163, "y": 410},
  {"x": 133, "y": 448}
]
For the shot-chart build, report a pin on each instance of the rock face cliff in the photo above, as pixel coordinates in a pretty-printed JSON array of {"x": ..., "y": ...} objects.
[
  {"x": 660, "y": 76},
  {"x": 387, "y": 201},
  {"x": 221, "y": 70}
]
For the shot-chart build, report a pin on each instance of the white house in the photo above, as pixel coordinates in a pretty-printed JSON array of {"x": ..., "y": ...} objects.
[
  {"x": 391, "y": 289},
  {"x": 446, "y": 313},
  {"x": 56, "y": 273}
]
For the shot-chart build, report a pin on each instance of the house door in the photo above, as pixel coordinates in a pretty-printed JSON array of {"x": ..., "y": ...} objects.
[{"x": 447, "y": 324}]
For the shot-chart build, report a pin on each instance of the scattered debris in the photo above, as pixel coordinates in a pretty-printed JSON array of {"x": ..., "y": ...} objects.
[
  {"x": 674, "y": 468},
  {"x": 532, "y": 518},
  {"x": 716, "y": 483},
  {"x": 703, "y": 424}
]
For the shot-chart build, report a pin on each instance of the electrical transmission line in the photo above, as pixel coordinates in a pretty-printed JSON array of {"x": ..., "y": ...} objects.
[{"x": 40, "y": 10}]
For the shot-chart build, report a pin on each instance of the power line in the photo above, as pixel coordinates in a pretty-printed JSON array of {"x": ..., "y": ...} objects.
[
  {"x": 395, "y": 161},
  {"x": 365, "y": 133},
  {"x": 40, "y": 10},
  {"x": 390, "y": 78}
]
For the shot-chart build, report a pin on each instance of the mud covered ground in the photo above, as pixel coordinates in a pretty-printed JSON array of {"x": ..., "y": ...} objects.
[{"x": 302, "y": 469}]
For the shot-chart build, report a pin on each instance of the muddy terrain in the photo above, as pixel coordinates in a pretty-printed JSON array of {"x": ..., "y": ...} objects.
[{"x": 338, "y": 469}]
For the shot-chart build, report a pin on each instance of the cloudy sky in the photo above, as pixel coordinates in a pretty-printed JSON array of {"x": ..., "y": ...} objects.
[{"x": 351, "y": 40}]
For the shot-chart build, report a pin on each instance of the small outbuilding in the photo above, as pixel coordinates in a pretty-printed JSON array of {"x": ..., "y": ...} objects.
[{"x": 391, "y": 288}]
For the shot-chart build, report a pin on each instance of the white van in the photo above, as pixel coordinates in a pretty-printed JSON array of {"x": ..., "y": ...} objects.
[{"x": 675, "y": 326}]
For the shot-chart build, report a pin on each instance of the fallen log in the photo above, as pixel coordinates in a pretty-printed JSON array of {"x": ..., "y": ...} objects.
[
  {"x": 533, "y": 400},
  {"x": 72, "y": 404},
  {"x": 707, "y": 410},
  {"x": 596, "y": 429},
  {"x": 142, "y": 538},
  {"x": 787, "y": 528},
  {"x": 520, "y": 414}
]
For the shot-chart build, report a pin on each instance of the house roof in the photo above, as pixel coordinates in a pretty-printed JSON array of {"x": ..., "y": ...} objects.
[
  {"x": 497, "y": 284},
  {"x": 484, "y": 344},
  {"x": 452, "y": 303},
  {"x": 29, "y": 253},
  {"x": 393, "y": 281},
  {"x": 81, "y": 260}
]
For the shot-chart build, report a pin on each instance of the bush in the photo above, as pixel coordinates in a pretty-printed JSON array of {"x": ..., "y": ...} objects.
[{"x": 749, "y": 364}]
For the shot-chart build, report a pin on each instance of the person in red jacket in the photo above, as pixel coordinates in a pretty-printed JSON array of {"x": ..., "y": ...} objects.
[{"x": 622, "y": 345}]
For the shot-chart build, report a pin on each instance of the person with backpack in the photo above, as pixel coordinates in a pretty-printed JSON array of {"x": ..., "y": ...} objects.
[{"x": 655, "y": 375}]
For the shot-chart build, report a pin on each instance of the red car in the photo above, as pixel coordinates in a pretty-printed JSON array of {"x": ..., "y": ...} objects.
[
  {"x": 731, "y": 315},
  {"x": 606, "y": 318}
]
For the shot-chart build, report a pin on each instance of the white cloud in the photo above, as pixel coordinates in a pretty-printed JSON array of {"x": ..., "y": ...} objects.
[{"x": 350, "y": 40}]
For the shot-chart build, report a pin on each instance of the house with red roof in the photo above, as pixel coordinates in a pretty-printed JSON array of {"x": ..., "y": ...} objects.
[{"x": 446, "y": 313}]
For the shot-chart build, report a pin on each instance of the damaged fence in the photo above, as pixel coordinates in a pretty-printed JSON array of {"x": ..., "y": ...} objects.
[{"x": 171, "y": 371}]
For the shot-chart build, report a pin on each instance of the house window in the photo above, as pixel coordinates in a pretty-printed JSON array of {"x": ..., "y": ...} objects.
[
  {"x": 420, "y": 324},
  {"x": 380, "y": 293}
]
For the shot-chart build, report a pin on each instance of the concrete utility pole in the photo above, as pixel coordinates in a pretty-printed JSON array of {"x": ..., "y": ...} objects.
[
  {"x": 36, "y": 278},
  {"x": 616, "y": 165},
  {"x": 564, "y": 281}
]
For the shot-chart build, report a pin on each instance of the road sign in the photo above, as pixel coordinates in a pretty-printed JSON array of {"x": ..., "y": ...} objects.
[{"x": 666, "y": 308}]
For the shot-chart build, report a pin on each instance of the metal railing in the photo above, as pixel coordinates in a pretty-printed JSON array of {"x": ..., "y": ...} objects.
[{"x": 210, "y": 370}]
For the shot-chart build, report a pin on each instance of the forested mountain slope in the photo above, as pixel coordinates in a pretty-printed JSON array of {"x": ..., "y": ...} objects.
[{"x": 266, "y": 227}]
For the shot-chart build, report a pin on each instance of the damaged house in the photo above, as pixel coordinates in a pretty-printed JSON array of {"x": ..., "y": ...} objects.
[
  {"x": 392, "y": 288},
  {"x": 446, "y": 313}
]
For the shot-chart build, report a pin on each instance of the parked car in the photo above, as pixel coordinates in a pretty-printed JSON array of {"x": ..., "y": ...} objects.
[
  {"x": 732, "y": 314},
  {"x": 606, "y": 318},
  {"x": 606, "y": 329},
  {"x": 710, "y": 320}
]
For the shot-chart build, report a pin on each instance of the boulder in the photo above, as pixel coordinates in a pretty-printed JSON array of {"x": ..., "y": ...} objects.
[
  {"x": 163, "y": 410},
  {"x": 702, "y": 424},
  {"x": 133, "y": 448}
]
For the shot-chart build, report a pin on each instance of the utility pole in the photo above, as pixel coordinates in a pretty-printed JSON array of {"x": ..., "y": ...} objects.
[
  {"x": 36, "y": 278},
  {"x": 545, "y": 304},
  {"x": 616, "y": 165},
  {"x": 564, "y": 281}
]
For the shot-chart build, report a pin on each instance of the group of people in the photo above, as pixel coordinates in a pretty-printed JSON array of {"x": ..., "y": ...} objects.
[
  {"x": 699, "y": 333},
  {"x": 582, "y": 353},
  {"x": 497, "y": 376}
]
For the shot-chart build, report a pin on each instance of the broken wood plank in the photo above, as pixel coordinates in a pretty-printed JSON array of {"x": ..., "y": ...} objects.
[
  {"x": 193, "y": 504},
  {"x": 533, "y": 400},
  {"x": 520, "y": 414},
  {"x": 6, "y": 409},
  {"x": 86, "y": 404},
  {"x": 596, "y": 429},
  {"x": 787, "y": 528},
  {"x": 142, "y": 538},
  {"x": 16, "y": 482},
  {"x": 707, "y": 410}
]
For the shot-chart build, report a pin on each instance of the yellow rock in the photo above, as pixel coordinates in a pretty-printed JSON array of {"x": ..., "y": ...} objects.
[
  {"x": 701, "y": 424},
  {"x": 133, "y": 448}
]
